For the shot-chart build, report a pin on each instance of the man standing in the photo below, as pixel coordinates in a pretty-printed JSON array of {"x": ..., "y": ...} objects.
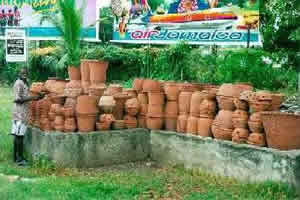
[{"x": 20, "y": 112}]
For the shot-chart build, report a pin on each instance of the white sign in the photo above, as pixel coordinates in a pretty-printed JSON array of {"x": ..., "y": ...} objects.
[{"x": 15, "y": 45}]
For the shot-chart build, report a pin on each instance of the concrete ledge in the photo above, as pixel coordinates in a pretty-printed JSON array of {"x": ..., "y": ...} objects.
[
  {"x": 244, "y": 162},
  {"x": 89, "y": 149}
]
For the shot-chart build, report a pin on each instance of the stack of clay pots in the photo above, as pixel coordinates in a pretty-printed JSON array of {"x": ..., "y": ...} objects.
[
  {"x": 207, "y": 112},
  {"x": 70, "y": 120},
  {"x": 105, "y": 122},
  {"x": 194, "y": 112},
  {"x": 44, "y": 110},
  {"x": 120, "y": 99},
  {"x": 59, "y": 121},
  {"x": 132, "y": 108},
  {"x": 86, "y": 112},
  {"x": 171, "y": 91},
  {"x": 143, "y": 100},
  {"x": 156, "y": 101}
]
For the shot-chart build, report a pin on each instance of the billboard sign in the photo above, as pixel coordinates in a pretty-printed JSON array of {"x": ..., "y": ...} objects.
[
  {"x": 15, "y": 45},
  {"x": 221, "y": 22},
  {"x": 28, "y": 15}
]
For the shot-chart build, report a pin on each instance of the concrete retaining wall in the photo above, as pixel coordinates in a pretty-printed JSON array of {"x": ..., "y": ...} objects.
[
  {"x": 89, "y": 149},
  {"x": 244, "y": 162}
]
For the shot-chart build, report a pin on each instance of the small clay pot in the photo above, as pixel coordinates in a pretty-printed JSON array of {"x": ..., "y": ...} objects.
[
  {"x": 58, "y": 99},
  {"x": 257, "y": 139},
  {"x": 226, "y": 90},
  {"x": 70, "y": 102},
  {"x": 86, "y": 105},
  {"x": 103, "y": 126},
  {"x": 74, "y": 73},
  {"x": 240, "y": 104},
  {"x": 182, "y": 123},
  {"x": 151, "y": 86},
  {"x": 256, "y": 127},
  {"x": 171, "y": 90},
  {"x": 95, "y": 90},
  {"x": 192, "y": 125},
  {"x": 59, "y": 120},
  {"x": 155, "y": 110},
  {"x": 130, "y": 92},
  {"x": 85, "y": 70},
  {"x": 277, "y": 100},
  {"x": 37, "y": 87},
  {"x": 184, "y": 102},
  {"x": 171, "y": 123},
  {"x": 259, "y": 106},
  {"x": 239, "y": 123},
  {"x": 132, "y": 106},
  {"x": 85, "y": 86},
  {"x": 86, "y": 122},
  {"x": 142, "y": 98},
  {"x": 68, "y": 112},
  {"x": 144, "y": 109},
  {"x": 224, "y": 119},
  {"x": 196, "y": 100},
  {"x": 171, "y": 109},
  {"x": 114, "y": 89},
  {"x": 154, "y": 123},
  {"x": 130, "y": 122},
  {"x": 73, "y": 92},
  {"x": 138, "y": 84},
  {"x": 240, "y": 135},
  {"x": 208, "y": 109},
  {"x": 142, "y": 121},
  {"x": 225, "y": 103},
  {"x": 70, "y": 125},
  {"x": 51, "y": 116},
  {"x": 118, "y": 125},
  {"x": 204, "y": 127},
  {"x": 246, "y": 95},
  {"x": 222, "y": 133},
  {"x": 240, "y": 114},
  {"x": 156, "y": 98},
  {"x": 107, "y": 118}
]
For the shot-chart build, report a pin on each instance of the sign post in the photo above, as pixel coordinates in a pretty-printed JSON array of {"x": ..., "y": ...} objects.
[{"x": 16, "y": 50}]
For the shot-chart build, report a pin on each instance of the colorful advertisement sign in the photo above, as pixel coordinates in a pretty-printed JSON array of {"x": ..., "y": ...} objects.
[
  {"x": 221, "y": 22},
  {"x": 15, "y": 45},
  {"x": 28, "y": 15}
]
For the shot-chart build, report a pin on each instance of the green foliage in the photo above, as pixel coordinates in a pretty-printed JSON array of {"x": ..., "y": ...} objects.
[{"x": 106, "y": 24}]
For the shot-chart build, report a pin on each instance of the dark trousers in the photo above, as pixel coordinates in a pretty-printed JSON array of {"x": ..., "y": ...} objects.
[{"x": 18, "y": 148}]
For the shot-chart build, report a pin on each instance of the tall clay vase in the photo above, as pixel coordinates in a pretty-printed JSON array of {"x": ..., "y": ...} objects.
[
  {"x": 98, "y": 71},
  {"x": 204, "y": 127},
  {"x": 171, "y": 123},
  {"x": 74, "y": 73},
  {"x": 182, "y": 123}
]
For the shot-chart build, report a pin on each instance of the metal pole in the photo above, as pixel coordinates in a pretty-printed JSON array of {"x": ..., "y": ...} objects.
[{"x": 248, "y": 37}]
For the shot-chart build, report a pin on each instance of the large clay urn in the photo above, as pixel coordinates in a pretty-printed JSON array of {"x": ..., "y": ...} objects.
[
  {"x": 138, "y": 84},
  {"x": 171, "y": 123},
  {"x": 204, "y": 127},
  {"x": 171, "y": 90},
  {"x": 74, "y": 73},
  {"x": 184, "y": 102},
  {"x": 156, "y": 98},
  {"x": 154, "y": 123},
  {"x": 196, "y": 100},
  {"x": 192, "y": 125},
  {"x": 182, "y": 123},
  {"x": 171, "y": 109},
  {"x": 97, "y": 71}
]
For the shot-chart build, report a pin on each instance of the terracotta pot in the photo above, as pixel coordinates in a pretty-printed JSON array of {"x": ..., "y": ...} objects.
[
  {"x": 263, "y": 96},
  {"x": 240, "y": 135},
  {"x": 74, "y": 73},
  {"x": 142, "y": 121},
  {"x": 247, "y": 95},
  {"x": 58, "y": 99},
  {"x": 103, "y": 126},
  {"x": 130, "y": 92},
  {"x": 114, "y": 89},
  {"x": 107, "y": 118},
  {"x": 240, "y": 114},
  {"x": 138, "y": 84},
  {"x": 107, "y": 104},
  {"x": 118, "y": 125},
  {"x": 239, "y": 123},
  {"x": 259, "y": 106},
  {"x": 240, "y": 104},
  {"x": 142, "y": 98},
  {"x": 277, "y": 100},
  {"x": 222, "y": 133},
  {"x": 59, "y": 128},
  {"x": 56, "y": 108},
  {"x": 182, "y": 123},
  {"x": 73, "y": 92},
  {"x": 196, "y": 100},
  {"x": 85, "y": 70},
  {"x": 49, "y": 83},
  {"x": 171, "y": 123},
  {"x": 225, "y": 103},
  {"x": 171, "y": 90},
  {"x": 59, "y": 120},
  {"x": 85, "y": 86},
  {"x": 209, "y": 94},
  {"x": 51, "y": 116},
  {"x": 37, "y": 87},
  {"x": 204, "y": 127},
  {"x": 184, "y": 101},
  {"x": 224, "y": 119},
  {"x": 226, "y": 90},
  {"x": 58, "y": 87},
  {"x": 130, "y": 122},
  {"x": 151, "y": 86},
  {"x": 208, "y": 109},
  {"x": 132, "y": 106},
  {"x": 144, "y": 109},
  {"x": 73, "y": 84},
  {"x": 154, "y": 123},
  {"x": 71, "y": 102},
  {"x": 171, "y": 109},
  {"x": 68, "y": 112},
  {"x": 156, "y": 98},
  {"x": 282, "y": 130},
  {"x": 192, "y": 125},
  {"x": 257, "y": 139},
  {"x": 98, "y": 71},
  {"x": 96, "y": 90},
  {"x": 119, "y": 109},
  {"x": 187, "y": 87},
  {"x": 241, "y": 87},
  {"x": 155, "y": 110},
  {"x": 86, "y": 122},
  {"x": 86, "y": 105},
  {"x": 210, "y": 86},
  {"x": 70, "y": 125}
]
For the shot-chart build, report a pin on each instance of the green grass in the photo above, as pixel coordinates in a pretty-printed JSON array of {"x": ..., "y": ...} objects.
[{"x": 130, "y": 181}]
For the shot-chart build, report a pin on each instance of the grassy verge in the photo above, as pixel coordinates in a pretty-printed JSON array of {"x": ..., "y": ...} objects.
[{"x": 130, "y": 181}]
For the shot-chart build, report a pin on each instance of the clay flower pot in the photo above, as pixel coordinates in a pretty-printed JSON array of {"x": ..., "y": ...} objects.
[
  {"x": 155, "y": 110},
  {"x": 154, "y": 123},
  {"x": 130, "y": 122},
  {"x": 187, "y": 87},
  {"x": 226, "y": 90},
  {"x": 74, "y": 73},
  {"x": 210, "y": 94},
  {"x": 171, "y": 90},
  {"x": 225, "y": 103},
  {"x": 114, "y": 89},
  {"x": 282, "y": 130},
  {"x": 204, "y": 127},
  {"x": 85, "y": 71},
  {"x": 240, "y": 135},
  {"x": 138, "y": 84},
  {"x": 151, "y": 86},
  {"x": 224, "y": 119},
  {"x": 86, "y": 122},
  {"x": 132, "y": 106},
  {"x": 73, "y": 92},
  {"x": 182, "y": 123},
  {"x": 118, "y": 124},
  {"x": 142, "y": 98},
  {"x": 259, "y": 106},
  {"x": 240, "y": 114},
  {"x": 37, "y": 87},
  {"x": 184, "y": 102},
  {"x": 247, "y": 95},
  {"x": 222, "y": 133},
  {"x": 240, "y": 104},
  {"x": 58, "y": 99},
  {"x": 208, "y": 109},
  {"x": 119, "y": 109},
  {"x": 142, "y": 121},
  {"x": 86, "y": 105},
  {"x": 107, "y": 104},
  {"x": 49, "y": 83},
  {"x": 196, "y": 100},
  {"x": 103, "y": 126},
  {"x": 85, "y": 86},
  {"x": 144, "y": 109},
  {"x": 96, "y": 90},
  {"x": 171, "y": 123},
  {"x": 192, "y": 125},
  {"x": 277, "y": 100},
  {"x": 107, "y": 118},
  {"x": 70, "y": 102},
  {"x": 70, "y": 125},
  {"x": 51, "y": 116},
  {"x": 257, "y": 139},
  {"x": 97, "y": 71},
  {"x": 130, "y": 92},
  {"x": 171, "y": 109},
  {"x": 68, "y": 112},
  {"x": 263, "y": 95},
  {"x": 59, "y": 87},
  {"x": 156, "y": 98}
]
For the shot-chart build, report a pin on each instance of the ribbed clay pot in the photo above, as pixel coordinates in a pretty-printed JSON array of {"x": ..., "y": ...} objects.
[
  {"x": 86, "y": 122},
  {"x": 98, "y": 71},
  {"x": 255, "y": 123},
  {"x": 184, "y": 102},
  {"x": 196, "y": 100},
  {"x": 86, "y": 105},
  {"x": 282, "y": 130},
  {"x": 208, "y": 109},
  {"x": 74, "y": 73},
  {"x": 156, "y": 98},
  {"x": 154, "y": 123},
  {"x": 171, "y": 90},
  {"x": 151, "y": 86},
  {"x": 118, "y": 125},
  {"x": 257, "y": 139},
  {"x": 155, "y": 110},
  {"x": 130, "y": 92},
  {"x": 70, "y": 102},
  {"x": 224, "y": 119},
  {"x": 70, "y": 125},
  {"x": 68, "y": 112},
  {"x": 171, "y": 123},
  {"x": 240, "y": 135},
  {"x": 138, "y": 84},
  {"x": 204, "y": 127},
  {"x": 114, "y": 89},
  {"x": 182, "y": 123},
  {"x": 142, "y": 121},
  {"x": 142, "y": 98},
  {"x": 259, "y": 106},
  {"x": 225, "y": 103},
  {"x": 221, "y": 133},
  {"x": 192, "y": 125},
  {"x": 130, "y": 122},
  {"x": 171, "y": 109}
]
